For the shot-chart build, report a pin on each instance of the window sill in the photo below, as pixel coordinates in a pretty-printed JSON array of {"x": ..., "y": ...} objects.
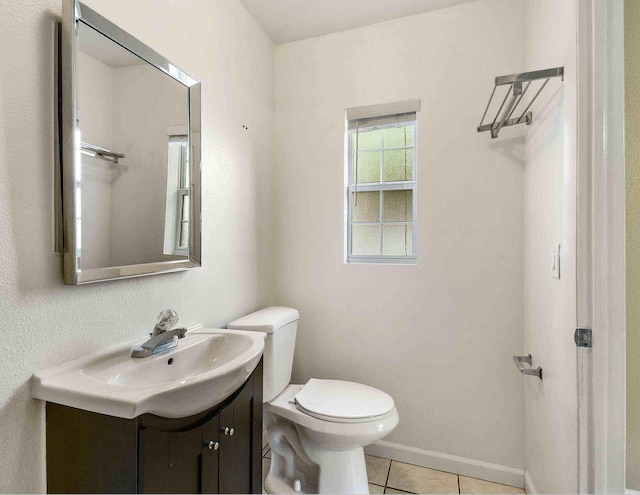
[{"x": 375, "y": 260}]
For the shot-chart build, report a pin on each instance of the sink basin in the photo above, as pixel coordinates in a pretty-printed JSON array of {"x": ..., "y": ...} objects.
[{"x": 206, "y": 367}]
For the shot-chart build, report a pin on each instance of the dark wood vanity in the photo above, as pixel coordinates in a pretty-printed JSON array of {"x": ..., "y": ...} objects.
[{"x": 216, "y": 451}]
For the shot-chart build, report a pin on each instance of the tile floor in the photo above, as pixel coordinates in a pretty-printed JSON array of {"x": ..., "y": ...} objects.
[{"x": 387, "y": 476}]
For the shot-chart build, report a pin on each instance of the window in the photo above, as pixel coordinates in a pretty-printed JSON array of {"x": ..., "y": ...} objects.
[
  {"x": 381, "y": 187},
  {"x": 176, "y": 235}
]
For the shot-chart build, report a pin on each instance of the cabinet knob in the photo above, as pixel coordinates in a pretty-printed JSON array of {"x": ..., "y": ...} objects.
[
  {"x": 213, "y": 445},
  {"x": 228, "y": 431}
]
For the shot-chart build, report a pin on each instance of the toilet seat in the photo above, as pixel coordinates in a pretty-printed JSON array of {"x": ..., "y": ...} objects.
[
  {"x": 343, "y": 402},
  {"x": 332, "y": 434}
]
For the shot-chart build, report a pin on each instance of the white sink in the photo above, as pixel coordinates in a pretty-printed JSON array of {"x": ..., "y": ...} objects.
[{"x": 206, "y": 367}]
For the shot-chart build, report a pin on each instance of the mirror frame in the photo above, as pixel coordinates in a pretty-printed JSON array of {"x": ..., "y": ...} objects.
[{"x": 68, "y": 147}]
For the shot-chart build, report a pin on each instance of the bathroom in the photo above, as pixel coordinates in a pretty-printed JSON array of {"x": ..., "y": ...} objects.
[{"x": 438, "y": 334}]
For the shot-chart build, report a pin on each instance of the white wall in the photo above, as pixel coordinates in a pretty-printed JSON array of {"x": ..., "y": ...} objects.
[
  {"x": 550, "y": 217},
  {"x": 45, "y": 322},
  {"x": 148, "y": 103},
  {"x": 438, "y": 336},
  {"x": 95, "y": 114}
]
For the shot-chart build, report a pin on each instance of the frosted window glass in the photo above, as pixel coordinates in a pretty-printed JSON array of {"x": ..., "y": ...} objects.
[
  {"x": 398, "y": 137},
  {"x": 365, "y": 240},
  {"x": 398, "y": 206},
  {"x": 367, "y": 208},
  {"x": 369, "y": 140},
  {"x": 185, "y": 208},
  {"x": 381, "y": 172},
  {"x": 184, "y": 235},
  {"x": 398, "y": 165},
  {"x": 368, "y": 166},
  {"x": 397, "y": 240}
]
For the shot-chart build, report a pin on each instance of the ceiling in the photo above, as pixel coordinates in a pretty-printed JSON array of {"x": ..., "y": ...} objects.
[{"x": 292, "y": 20}]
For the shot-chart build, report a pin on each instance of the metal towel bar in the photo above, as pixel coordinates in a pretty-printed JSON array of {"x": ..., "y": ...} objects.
[
  {"x": 92, "y": 150},
  {"x": 520, "y": 362},
  {"x": 514, "y": 95}
]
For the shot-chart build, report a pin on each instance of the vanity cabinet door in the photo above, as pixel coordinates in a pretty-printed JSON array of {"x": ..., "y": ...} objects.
[
  {"x": 240, "y": 467},
  {"x": 235, "y": 457},
  {"x": 171, "y": 462},
  {"x": 215, "y": 457},
  {"x": 210, "y": 455}
]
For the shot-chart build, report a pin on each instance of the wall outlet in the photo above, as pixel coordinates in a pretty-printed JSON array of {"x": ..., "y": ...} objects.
[{"x": 555, "y": 260}]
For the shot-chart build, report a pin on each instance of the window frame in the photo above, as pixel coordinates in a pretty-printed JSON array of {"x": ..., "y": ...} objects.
[
  {"x": 181, "y": 224},
  {"x": 380, "y": 186},
  {"x": 174, "y": 219}
]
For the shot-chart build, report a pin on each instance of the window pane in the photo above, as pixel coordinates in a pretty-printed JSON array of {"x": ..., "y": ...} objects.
[
  {"x": 368, "y": 166},
  {"x": 185, "y": 208},
  {"x": 184, "y": 169},
  {"x": 397, "y": 240},
  {"x": 186, "y": 178},
  {"x": 365, "y": 240},
  {"x": 398, "y": 137},
  {"x": 398, "y": 206},
  {"x": 369, "y": 140},
  {"x": 367, "y": 208},
  {"x": 398, "y": 165},
  {"x": 184, "y": 235},
  {"x": 178, "y": 158}
]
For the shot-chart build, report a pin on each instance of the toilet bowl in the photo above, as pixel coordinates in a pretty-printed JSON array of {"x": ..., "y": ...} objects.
[
  {"x": 316, "y": 430},
  {"x": 334, "y": 444}
]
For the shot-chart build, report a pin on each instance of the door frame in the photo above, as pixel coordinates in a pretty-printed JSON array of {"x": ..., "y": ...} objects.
[{"x": 601, "y": 246}]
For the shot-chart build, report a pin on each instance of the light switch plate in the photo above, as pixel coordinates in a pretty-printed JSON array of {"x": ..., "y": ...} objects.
[{"x": 555, "y": 260}]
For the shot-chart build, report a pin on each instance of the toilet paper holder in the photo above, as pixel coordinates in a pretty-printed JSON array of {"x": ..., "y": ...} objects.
[{"x": 520, "y": 362}]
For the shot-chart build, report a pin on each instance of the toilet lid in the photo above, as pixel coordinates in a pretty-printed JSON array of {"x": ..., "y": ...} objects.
[{"x": 340, "y": 401}]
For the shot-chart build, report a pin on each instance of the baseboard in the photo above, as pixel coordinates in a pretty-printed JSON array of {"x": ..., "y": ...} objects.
[
  {"x": 631, "y": 492},
  {"x": 528, "y": 484},
  {"x": 447, "y": 462}
]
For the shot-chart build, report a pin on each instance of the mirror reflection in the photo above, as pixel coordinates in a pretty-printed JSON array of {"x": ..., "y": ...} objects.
[{"x": 133, "y": 186}]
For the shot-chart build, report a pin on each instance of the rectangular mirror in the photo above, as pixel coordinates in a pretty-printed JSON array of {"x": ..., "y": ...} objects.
[{"x": 130, "y": 154}]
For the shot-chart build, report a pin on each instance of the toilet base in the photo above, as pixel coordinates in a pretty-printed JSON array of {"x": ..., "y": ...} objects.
[
  {"x": 300, "y": 465},
  {"x": 341, "y": 472},
  {"x": 276, "y": 483}
]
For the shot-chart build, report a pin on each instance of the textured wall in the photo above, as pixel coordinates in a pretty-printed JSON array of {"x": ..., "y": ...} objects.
[
  {"x": 550, "y": 217},
  {"x": 44, "y": 322},
  {"x": 437, "y": 336},
  {"x": 632, "y": 172}
]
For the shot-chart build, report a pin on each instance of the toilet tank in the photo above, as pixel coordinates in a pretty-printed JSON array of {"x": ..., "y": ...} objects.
[{"x": 280, "y": 324}]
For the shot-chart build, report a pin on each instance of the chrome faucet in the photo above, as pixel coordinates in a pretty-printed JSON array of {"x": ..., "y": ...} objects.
[{"x": 162, "y": 337}]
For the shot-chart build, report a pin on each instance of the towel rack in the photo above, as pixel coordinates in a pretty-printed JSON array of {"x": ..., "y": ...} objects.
[
  {"x": 92, "y": 150},
  {"x": 520, "y": 362},
  {"x": 514, "y": 96}
]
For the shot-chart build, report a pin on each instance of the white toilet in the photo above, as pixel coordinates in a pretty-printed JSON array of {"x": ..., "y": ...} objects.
[{"x": 316, "y": 431}]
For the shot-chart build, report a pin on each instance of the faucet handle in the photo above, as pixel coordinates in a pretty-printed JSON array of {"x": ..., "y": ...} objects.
[{"x": 166, "y": 319}]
